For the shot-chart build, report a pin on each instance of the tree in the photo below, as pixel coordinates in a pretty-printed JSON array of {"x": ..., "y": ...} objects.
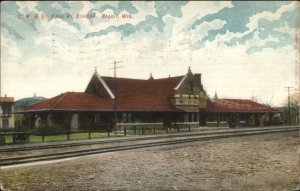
[{"x": 291, "y": 109}]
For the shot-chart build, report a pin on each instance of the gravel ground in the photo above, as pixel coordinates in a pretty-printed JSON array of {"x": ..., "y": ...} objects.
[{"x": 261, "y": 162}]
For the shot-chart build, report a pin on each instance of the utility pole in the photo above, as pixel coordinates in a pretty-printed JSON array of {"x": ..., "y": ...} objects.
[
  {"x": 115, "y": 92},
  {"x": 0, "y": 79},
  {"x": 289, "y": 104}
]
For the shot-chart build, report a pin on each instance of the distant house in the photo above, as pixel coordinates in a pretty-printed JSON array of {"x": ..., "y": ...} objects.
[
  {"x": 6, "y": 113},
  {"x": 126, "y": 101}
]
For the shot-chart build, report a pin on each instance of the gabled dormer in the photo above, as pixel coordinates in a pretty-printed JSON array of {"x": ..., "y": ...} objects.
[
  {"x": 98, "y": 86},
  {"x": 189, "y": 93}
]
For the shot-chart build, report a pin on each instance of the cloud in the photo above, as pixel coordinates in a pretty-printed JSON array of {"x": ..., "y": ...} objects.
[
  {"x": 116, "y": 9},
  {"x": 150, "y": 22},
  {"x": 129, "y": 29},
  {"x": 164, "y": 7},
  {"x": 122, "y": 6},
  {"x": 8, "y": 11},
  {"x": 60, "y": 8},
  {"x": 242, "y": 40},
  {"x": 236, "y": 17},
  {"x": 267, "y": 28}
]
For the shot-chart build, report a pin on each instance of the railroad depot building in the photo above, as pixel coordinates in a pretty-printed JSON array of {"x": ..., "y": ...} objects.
[{"x": 161, "y": 102}]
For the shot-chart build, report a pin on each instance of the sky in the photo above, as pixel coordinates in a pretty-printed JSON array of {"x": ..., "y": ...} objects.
[{"x": 245, "y": 50}]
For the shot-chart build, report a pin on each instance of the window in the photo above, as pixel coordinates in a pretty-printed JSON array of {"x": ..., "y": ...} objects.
[
  {"x": 97, "y": 118},
  {"x": 195, "y": 117},
  {"x": 95, "y": 88},
  {"x": 5, "y": 123},
  {"x": 6, "y": 109},
  {"x": 127, "y": 117},
  {"x": 190, "y": 117},
  {"x": 124, "y": 117},
  {"x": 191, "y": 86}
]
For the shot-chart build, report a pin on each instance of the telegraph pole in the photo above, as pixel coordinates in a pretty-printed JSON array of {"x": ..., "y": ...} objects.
[
  {"x": 115, "y": 92},
  {"x": 289, "y": 104}
]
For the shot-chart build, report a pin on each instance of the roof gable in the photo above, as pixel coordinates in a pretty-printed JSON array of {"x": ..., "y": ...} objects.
[
  {"x": 189, "y": 83},
  {"x": 98, "y": 86}
]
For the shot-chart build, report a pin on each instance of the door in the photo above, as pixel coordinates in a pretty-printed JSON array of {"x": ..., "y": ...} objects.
[{"x": 74, "y": 121}]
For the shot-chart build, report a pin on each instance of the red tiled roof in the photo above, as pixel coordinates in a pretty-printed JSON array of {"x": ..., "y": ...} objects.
[
  {"x": 144, "y": 95},
  {"x": 238, "y": 105},
  {"x": 72, "y": 101},
  {"x": 132, "y": 95}
]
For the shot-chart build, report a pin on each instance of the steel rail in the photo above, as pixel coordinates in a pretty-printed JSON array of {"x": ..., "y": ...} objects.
[
  {"x": 145, "y": 137},
  {"x": 78, "y": 153}
]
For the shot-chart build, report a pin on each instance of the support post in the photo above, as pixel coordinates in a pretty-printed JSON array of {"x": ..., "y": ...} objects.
[{"x": 68, "y": 134}]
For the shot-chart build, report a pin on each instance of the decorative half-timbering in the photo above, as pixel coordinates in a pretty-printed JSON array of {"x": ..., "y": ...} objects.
[{"x": 189, "y": 95}]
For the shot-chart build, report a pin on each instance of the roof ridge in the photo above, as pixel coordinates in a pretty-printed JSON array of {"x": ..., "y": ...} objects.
[
  {"x": 60, "y": 100},
  {"x": 127, "y": 78},
  {"x": 181, "y": 81},
  {"x": 106, "y": 87}
]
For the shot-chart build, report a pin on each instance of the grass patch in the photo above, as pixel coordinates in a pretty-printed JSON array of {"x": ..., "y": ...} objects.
[
  {"x": 8, "y": 138},
  {"x": 35, "y": 138},
  {"x": 55, "y": 137},
  {"x": 98, "y": 135},
  {"x": 94, "y": 135},
  {"x": 76, "y": 136}
]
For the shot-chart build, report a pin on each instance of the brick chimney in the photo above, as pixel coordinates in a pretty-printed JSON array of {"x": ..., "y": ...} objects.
[{"x": 198, "y": 77}]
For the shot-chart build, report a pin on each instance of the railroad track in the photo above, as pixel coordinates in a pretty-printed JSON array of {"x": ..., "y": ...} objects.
[
  {"x": 29, "y": 147},
  {"x": 154, "y": 141}
]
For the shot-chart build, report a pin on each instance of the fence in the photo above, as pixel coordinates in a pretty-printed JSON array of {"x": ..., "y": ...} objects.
[{"x": 14, "y": 137}]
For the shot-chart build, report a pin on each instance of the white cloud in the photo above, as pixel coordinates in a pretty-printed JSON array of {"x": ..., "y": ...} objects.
[
  {"x": 145, "y": 7},
  {"x": 30, "y": 5},
  {"x": 253, "y": 23},
  {"x": 194, "y": 10},
  {"x": 203, "y": 29}
]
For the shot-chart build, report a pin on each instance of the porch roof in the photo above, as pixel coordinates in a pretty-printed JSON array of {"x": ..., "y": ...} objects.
[
  {"x": 71, "y": 101},
  {"x": 238, "y": 105}
]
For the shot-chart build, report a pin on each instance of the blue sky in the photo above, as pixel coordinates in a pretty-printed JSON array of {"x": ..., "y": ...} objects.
[{"x": 242, "y": 49}]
